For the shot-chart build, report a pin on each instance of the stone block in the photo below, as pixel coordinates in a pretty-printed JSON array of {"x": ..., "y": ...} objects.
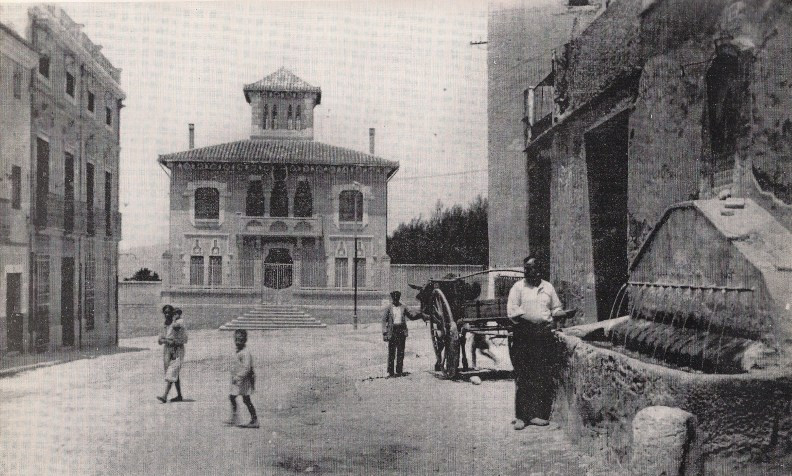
[{"x": 665, "y": 443}]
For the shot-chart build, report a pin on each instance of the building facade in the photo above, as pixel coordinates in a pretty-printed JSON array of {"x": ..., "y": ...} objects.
[
  {"x": 73, "y": 225},
  {"x": 655, "y": 103},
  {"x": 17, "y": 62},
  {"x": 275, "y": 218},
  {"x": 521, "y": 37}
]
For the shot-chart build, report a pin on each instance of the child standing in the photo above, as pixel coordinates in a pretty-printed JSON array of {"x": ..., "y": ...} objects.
[
  {"x": 243, "y": 380},
  {"x": 173, "y": 338}
]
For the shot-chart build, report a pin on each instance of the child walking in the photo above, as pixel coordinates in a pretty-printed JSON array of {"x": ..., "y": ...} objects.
[
  {"x": 243, "y": 380},
  {"x": 173, "y": 337}
]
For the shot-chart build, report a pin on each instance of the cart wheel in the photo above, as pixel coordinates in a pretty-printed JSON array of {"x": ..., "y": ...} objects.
[
  {"x": 445, "y": 335},
  {"x": 437, "y": 327},
  {"x": 451, "y": 363}
]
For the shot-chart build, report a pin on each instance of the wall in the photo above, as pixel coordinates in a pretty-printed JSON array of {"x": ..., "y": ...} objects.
[
  {"x": 521, "y": 37},
  {"x": 140, "y": 302},
  {"x": 16, "y": 58},
  {"x": 669, "y": 150},
  {"x": 743, "y": 420}
]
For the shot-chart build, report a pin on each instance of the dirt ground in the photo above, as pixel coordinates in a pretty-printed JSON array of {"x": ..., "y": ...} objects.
[{"x": 323, "y": 401}]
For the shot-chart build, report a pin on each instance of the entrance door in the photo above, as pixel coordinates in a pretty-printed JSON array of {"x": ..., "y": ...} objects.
[
  {"x": 277, "y": 274},
  {"x": 606, "y": 161},
  {"x": 67, "y": 301},
  {"x": 14, "y": 325}
]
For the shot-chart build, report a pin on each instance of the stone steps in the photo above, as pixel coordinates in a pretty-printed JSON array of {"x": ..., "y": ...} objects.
[{"x": 271, "y": 317}]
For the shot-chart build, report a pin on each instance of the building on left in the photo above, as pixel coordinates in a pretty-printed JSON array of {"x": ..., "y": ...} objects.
[{"x": 59, "y": 166}]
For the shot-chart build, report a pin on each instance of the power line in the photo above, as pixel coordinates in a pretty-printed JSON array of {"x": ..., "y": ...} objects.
[{"x": 438, "y": 175}]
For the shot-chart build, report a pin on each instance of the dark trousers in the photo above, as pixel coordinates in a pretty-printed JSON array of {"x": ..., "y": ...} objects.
[
  {"x": 396, "y": 348},
  {"x": 533, "y": 371}
]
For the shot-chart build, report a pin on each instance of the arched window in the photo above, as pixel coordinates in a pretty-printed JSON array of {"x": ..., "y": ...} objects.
[
  {"x": 266, "y": 117},
  {"x": 289, "y": 122},
  {"x": 274, "y": 116},
  {"x": 303, "y": 200},
  {"x": 350, "y": 206},
  {"x": 298, "y": 117},
  {"x": 254, "y": 204},
  {"x": 279, "y": 199},
  {"x": 207, "y": 204}
]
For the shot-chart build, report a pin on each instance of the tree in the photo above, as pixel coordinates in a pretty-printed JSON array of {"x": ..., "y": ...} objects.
[
  {"x": 144, "y": 274},
  {"x": 453, "y": 235}
]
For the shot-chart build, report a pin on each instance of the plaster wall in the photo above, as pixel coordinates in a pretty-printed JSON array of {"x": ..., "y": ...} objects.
[
  {"x": 521, "y": 38},
  {"x": 743, "y": 419}
]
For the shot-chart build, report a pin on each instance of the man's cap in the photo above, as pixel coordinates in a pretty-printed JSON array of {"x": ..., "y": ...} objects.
[
  {"x": 167, "y": 307},
  {"x": 395, "y": 294}
]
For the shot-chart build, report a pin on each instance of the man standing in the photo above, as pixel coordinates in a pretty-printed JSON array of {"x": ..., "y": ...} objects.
[
  {"x": 532, "y": 305},
  {"x": 394, "y": 332}
]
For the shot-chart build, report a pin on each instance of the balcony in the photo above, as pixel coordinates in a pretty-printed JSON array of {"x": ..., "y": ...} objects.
[
  {"x": 6, "y": 218},
  {"x": 74, "y": 217},
  {"x": 279, "y": 226}
]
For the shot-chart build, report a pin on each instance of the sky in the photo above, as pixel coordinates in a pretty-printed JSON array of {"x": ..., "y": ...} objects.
[{"x": 405, "y": 68}]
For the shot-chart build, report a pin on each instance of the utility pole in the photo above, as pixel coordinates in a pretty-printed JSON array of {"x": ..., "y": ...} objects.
[{"x": 355, "y": 258}]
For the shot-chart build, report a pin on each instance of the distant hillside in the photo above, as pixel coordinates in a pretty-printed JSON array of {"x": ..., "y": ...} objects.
[{"x": 132, "y": 259}]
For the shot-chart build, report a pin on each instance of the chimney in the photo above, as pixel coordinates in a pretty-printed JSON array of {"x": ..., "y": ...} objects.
[
  {"x": 371, "y": 140},
  {"x": 192, "y": 136}
]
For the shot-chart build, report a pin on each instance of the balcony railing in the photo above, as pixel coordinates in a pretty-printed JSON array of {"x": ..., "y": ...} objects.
[
  {"x": 73, "y": 216},
  {"x": 5, "y": 220},
  {"x": 279, "y": 226}
]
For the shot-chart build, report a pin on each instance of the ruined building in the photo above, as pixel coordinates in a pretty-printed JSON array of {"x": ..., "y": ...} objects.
[
  {"x": 658, "y": 183},
  {"x": 59, "y": 208},
  {"x": 655, "y": 103}
]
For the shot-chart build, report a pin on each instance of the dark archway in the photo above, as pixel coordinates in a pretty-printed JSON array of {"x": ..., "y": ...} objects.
[
  {"x": 278, "y": 269},
  {"x": 606, "y": 164}
]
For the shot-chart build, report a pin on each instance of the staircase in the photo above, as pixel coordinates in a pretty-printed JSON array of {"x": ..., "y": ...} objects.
[{"x": 272, "y": 316}]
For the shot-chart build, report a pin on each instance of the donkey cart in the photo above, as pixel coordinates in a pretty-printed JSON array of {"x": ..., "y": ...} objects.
[{"x": 453, "y": 310}]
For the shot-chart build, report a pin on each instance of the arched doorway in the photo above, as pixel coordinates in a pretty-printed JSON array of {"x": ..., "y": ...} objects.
[{"x": 278, "y": 268}]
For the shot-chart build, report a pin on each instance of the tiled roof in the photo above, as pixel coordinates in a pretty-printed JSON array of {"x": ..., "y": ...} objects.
[
  {"x": 278, "y": 152},
  {"x": 282, "y": 80}
]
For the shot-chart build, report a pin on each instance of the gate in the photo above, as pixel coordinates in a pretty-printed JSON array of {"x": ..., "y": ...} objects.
[{"x": 276, "y": 282}]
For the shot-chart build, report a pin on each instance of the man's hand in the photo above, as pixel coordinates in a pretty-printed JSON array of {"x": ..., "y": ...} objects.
[{"x": 565, "y": 314}]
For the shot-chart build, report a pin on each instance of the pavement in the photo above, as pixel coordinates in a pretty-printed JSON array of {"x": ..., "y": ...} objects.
[{"x": 324, "y": 404}]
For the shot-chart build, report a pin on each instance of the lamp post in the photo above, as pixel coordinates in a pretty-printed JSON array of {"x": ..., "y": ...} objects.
[{"x": 355, "y": 259}]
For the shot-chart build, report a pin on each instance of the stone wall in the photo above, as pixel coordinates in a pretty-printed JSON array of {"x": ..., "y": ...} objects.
[
  {"x": 650, "y": 61},
  {"x": 742, "y": 419}
]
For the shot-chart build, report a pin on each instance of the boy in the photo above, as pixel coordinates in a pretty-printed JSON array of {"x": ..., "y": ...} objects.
[
  {"x": 243, "y": 380},
  {"x": 481, "y": 343}
]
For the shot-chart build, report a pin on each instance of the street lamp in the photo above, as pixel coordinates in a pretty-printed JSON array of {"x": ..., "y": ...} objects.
[{"x": 355, "y": 259}]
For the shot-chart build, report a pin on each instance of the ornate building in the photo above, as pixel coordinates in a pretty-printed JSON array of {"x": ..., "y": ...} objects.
[
  {"x": 68, "y": 191},
  {"x": 276, "y": 217}
]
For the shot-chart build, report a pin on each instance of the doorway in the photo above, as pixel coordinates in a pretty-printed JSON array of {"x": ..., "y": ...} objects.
[
  {"x": 278, "y": 269},
  {"x": 606, "y": 164},
  {"x": 14, "y": 324},
  {"x": 539, "y": 212},
  {"x": 67, "y": 301}
]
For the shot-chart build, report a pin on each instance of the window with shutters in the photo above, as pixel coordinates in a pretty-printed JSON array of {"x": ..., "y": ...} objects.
[
  {"x": 350, "y": 206},
  {"x": 207, "y": 204}
]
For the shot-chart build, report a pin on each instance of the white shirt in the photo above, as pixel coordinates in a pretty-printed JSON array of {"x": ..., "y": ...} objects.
[
  {"x": 398, "y": 314},
  {"x": 533, "y": 303}
]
